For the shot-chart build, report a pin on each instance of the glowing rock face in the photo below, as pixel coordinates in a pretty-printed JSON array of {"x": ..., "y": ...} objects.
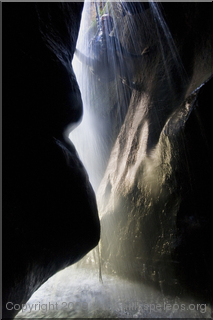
[{"x": 152, "y": 199}]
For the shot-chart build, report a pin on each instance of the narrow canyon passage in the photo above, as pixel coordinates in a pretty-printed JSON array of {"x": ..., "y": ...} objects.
[{"x": 144, "y": 139}]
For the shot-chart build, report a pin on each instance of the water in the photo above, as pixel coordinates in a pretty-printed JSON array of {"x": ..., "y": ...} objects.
[
  {"x": 105, "y": 99},
  {"x": 77, "y": 291},
  {"x": 107, "y": 87}
]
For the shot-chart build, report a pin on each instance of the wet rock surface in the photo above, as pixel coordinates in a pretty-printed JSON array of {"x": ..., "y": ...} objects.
[
  {"x": 154, "y": 199},
  {"x": 156, "y": 207}
]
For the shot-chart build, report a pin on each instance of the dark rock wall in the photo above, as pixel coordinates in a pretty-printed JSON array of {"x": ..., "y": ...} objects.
[
  {"x": 194, "y": 217},
  {"x": 50, "y": 217}
]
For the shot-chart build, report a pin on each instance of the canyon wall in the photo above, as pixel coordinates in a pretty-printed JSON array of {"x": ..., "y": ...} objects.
[
  {"x": 155, "y": 198},
  {"x": 50, "y": 217}
]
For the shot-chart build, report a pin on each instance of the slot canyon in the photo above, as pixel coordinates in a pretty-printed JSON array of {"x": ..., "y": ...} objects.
[{"x": 107, "y": 159}]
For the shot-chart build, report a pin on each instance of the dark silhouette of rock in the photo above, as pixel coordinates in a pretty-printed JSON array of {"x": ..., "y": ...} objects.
[
  {"x": 50, "y": 217},
  {"x": 194, "y": 217}
]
